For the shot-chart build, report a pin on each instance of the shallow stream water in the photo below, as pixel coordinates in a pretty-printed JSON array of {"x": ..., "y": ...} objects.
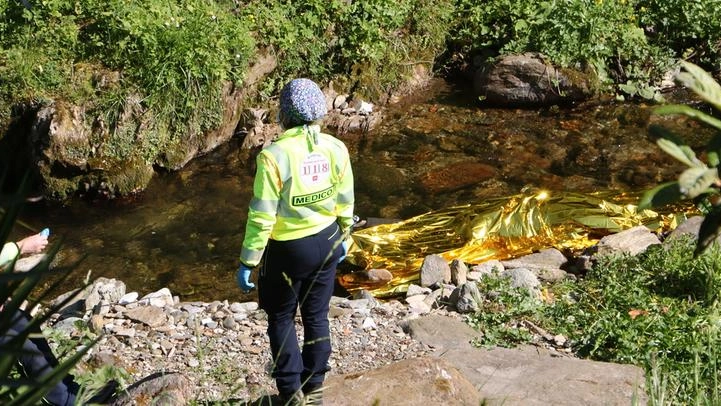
[{"x": 433, "y": 150}]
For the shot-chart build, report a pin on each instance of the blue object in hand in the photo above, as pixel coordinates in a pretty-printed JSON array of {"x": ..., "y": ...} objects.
[
  {"x": 243, "y": 277},
  {"x": 344, "y": 245},
  {"x": 45, "y": 232}
]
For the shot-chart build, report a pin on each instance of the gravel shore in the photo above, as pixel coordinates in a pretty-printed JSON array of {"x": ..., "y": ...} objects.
[{"x": 223, "y": 349}]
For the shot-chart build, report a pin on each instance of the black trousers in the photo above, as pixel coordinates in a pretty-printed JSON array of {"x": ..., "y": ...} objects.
[
  {"x": 299, "y": 273},
  {"x": 38, "y": 360}
]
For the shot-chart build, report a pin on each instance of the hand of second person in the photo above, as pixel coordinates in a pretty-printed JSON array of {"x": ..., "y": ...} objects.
[
  {"x": 33, "y": 244},
  {"x": 243, "y": 277}
]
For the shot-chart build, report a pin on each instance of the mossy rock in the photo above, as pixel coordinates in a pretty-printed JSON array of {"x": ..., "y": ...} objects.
[{"x": 128, "y": 178}]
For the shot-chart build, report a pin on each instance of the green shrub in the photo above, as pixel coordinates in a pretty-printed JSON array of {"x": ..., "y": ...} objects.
[
  {"x": 382, "y": 40},
  {"x": 299, "y": 33},
  {"x": 176, "y": 56},
  {"x": 604, "y": 35},
  {"x": 178, "y": 53},
  {"x": 700, "y": 182},
  {"x": 658, "y": 310},
  {"x": 492, "y": 25},
  {"x": 37, "y": 51},
  {"x": 501, "y": 313},
  {"x": 369, "y": 45},
  {"x": 691, "y": 28}
]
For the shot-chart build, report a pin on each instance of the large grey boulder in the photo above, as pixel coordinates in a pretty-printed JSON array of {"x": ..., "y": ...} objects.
[
  {"x": 529, "y": 79},
  {"x": 159, "y": 390},
  {"x": 419, "y": 381},
  {"x": 689, "y": 228},
  {"x": 632, "y": 241},
  {"x": 528, "y": 375}
]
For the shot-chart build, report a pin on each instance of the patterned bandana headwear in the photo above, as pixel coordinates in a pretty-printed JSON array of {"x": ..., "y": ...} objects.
[{"x": 302, "y": 101}]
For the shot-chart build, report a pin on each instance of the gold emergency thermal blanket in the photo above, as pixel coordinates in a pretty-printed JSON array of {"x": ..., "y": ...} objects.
[{"x": 500, "y": 228}]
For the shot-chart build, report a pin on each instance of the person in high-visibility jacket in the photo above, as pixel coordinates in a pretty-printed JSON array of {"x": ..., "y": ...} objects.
[{"x": 299, "y": 217}]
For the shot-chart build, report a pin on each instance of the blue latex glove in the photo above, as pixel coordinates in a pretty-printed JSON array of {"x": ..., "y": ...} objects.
[
  {"x": 45, "y": 232},
  {"x": 344, "y": 244},
  {"x": 243, "y": 277}
]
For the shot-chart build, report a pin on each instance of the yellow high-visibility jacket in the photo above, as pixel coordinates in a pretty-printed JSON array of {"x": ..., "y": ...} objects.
[{"x": 303, "y": 183}]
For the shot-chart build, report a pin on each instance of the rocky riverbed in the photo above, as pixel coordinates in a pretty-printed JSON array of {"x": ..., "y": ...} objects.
[{"x": 221, "y": 347}]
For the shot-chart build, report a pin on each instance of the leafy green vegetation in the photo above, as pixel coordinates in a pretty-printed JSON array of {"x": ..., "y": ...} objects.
[
  {"x": 658, "y": 310},
  {"x": 605, "y": 36},
  {"x": 700, "y": 182},
  {"x": 690, "y": 28},
  {"x": 174, "y": 58},
  {"x": 499, "y": 317},
  {"x": 368, "y": 46}
]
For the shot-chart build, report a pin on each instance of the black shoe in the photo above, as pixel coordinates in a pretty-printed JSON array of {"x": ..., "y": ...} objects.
[
  {"x": 291, "y": 399},
  {"x": 105, "y": 394},
  {"x": 314, "y": 397}
]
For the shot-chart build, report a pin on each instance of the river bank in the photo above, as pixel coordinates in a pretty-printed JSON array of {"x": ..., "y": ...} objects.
[
  {"x": 217, "y": 352},
  {"x": 90, "y": 110}
]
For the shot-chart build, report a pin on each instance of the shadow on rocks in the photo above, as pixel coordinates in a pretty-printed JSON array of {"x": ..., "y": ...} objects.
[
  {"x": 169, "y": 388},
  {"x": 267, "y": 400}
]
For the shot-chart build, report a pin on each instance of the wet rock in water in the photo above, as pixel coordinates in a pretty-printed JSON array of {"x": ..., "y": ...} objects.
[
  {"x": 379, "y": 180},
  {"x": 455, "y": 176},
  {"x": 450, "y": 143}
]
